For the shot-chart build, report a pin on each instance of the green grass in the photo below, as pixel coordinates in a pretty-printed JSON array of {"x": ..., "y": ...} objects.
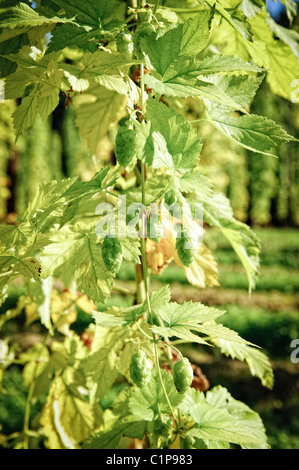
[
  {"x": 273, "y": 240},
  {"x": 282, "y": 433},
  {"x": 284, "y": 259},
  {"x": 270, "y": 278},
  {"x": 272, "y": 331},
  {"x": 230, "y": 276},
  {"x": 278, "y": 239}
]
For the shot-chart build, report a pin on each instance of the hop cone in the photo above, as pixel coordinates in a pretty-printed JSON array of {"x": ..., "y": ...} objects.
[
  {"x": 140, "y": 369},
  {"x": 112, "y": 254},
  {"x": 182, "y": 374},
  {"x": 125, "y": 146},
  {"x": 186, "y": 247}
]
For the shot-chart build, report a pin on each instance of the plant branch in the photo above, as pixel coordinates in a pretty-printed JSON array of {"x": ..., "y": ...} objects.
[
  {"x": 143, "y": 332},
  {"x": 143, "y": 256}
]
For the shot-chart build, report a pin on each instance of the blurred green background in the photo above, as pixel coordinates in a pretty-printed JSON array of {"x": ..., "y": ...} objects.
[{"x": 263, "y": 192}]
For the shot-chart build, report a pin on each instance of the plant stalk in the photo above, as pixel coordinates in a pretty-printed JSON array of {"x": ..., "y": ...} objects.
[{"x": 143, "y": 256}]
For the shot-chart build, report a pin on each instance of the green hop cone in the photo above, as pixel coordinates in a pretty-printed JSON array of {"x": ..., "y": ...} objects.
[
  {"x": 186, "y": 246},
  {"x": 155, "y": 230},
  {"x": 140, "y": 369},
  {"x": 112, "y": 254},
  {"x": 182, "y": 374},
  {"x": 125, "y": 146},
  {"x": 124, "y": 43}
]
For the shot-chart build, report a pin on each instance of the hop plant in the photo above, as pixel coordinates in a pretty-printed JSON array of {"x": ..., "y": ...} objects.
[
  {"x": 140, "y": 369},
  {"x": 124, "y": 43},
  {"x": 125, "y": 145},
  {"x": 155, "y": 230},
  {"x": 182, "y": 374},
  {"x": 112, "y": 254},
  {"x": 186, "y": 246}
]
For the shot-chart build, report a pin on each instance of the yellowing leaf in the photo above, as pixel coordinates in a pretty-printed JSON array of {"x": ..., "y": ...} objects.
[
  {"x": 159, "y": 255},
  {"x": 202, "y": 272},
  {"x": 61, "y": 302},
  {"x": 34, "y": 369},
  {"x": 67, "y": 417},
  {"x": 85, "y": 304}
]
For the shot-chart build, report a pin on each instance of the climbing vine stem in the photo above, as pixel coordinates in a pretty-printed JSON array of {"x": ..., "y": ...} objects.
[{"x": 143, "y": 257}]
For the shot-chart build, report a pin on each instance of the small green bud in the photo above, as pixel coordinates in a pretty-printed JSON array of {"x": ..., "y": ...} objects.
[
  {"x": 186, "y": 246},
  {"x": 112, "y": 254},
  {"x": 125, "y": 145},
  {"x": 140, "y": 369},
  {"x": 155, "y": 230},
  {"x": 124, "y": 43},
  {"x": 182, "y": 374}
]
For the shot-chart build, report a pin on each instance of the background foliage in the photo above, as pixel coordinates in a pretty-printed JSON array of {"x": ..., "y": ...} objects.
[{"x": 263, "y": 191}]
